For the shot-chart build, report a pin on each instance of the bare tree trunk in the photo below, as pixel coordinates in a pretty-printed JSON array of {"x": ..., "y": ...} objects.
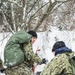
[
  {"x": 51, "y": 6},
  {"x": 13, "y": 16}
]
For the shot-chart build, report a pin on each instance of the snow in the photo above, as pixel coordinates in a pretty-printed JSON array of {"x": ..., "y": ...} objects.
[
  {"x": 44, "y": 42},
  {"x": 3, "y": 39},
  {"x": 2, "y": 73},
  {"x": 39, "y": 68}
]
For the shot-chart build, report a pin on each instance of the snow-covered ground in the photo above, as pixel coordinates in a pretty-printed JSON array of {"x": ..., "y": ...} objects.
[
  {"x": 44, "y": 42},
  {"x": 2, "y": 73}
]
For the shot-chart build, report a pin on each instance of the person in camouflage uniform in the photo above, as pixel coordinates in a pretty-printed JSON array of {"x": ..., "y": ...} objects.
[
  {"x": 60, "y": 64},
  {"x": 29, "y": 58}
]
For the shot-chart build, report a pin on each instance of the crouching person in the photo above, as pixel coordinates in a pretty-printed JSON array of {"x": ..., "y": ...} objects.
[
  {"x": 18, "y": 53},
  {"x": 60, "y": 64}
]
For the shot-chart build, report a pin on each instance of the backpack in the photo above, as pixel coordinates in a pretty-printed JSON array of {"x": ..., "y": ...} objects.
[
  {"x": 72, "y": 62},
  {"x": 13, "y": 54}
]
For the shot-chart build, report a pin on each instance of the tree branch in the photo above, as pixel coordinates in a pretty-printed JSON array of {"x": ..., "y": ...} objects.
[
  {"x": 16, "y": 3},
  {"x": 32, "y": 7},
  {"x": 7, "y": 24},
  {"x": 51, "y": 6},
  {"x": 13, "y": 16},
  {"x": 34, "y": 15}
]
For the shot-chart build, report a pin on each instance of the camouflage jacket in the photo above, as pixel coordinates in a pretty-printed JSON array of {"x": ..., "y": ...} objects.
[
  {"x": 60, "y": 63},
  {"x": 30, "y": 57}
]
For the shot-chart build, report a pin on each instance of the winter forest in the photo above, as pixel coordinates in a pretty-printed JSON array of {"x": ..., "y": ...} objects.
[{"x": 53, "y": 20}]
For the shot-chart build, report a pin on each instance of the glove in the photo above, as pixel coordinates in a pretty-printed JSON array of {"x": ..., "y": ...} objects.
[
  {"x": 43, "y": 61},
  {"x": 2, "y": 70},
  {"x": 73, "y": 58}
]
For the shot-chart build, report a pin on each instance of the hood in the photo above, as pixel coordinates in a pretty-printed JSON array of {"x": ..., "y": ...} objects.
[{"x": 62, "y": 50}]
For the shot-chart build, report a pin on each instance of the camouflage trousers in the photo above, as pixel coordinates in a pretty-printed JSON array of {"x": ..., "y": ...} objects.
[
  {"x": 21, "y": 69},
  {"x": 1, "y": 66}
]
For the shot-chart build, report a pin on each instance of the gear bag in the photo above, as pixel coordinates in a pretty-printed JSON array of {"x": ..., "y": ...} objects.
[
  {"x": 13, "y": 54},
  {"x": 72, "y": 61}
]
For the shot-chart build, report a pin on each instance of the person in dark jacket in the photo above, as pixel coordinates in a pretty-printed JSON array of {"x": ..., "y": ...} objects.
[
  {"x": 20, "y": 42},
  {"x": 60, "y": 64}
]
